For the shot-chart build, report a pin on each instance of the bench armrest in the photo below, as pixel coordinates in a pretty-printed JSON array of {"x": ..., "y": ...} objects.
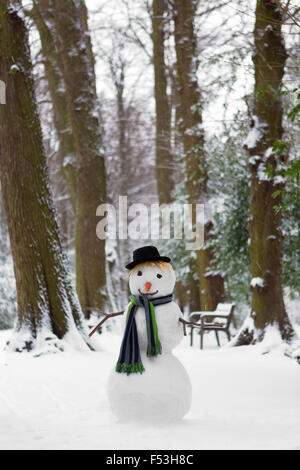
[
  {"x": 215, "y": 316},
  {"x": 214, "y": 320}
]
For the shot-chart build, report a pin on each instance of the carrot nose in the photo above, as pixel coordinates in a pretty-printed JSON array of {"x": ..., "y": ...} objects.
[{"x": 148, "y": 286}]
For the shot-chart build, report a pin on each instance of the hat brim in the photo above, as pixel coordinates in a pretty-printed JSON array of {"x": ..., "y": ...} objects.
[{"x": 135, "y": 263}]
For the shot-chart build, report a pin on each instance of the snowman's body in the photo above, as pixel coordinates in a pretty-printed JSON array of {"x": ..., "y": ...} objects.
[{"x": 163, "y": 391}]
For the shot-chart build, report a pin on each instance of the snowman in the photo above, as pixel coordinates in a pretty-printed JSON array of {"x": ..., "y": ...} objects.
[{"x": 148, "y": 381}]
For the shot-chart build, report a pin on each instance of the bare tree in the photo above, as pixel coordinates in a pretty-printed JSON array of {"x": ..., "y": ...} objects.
[
  {"x": 164, "y": 167},
  {"x": 118, "y": 67},
  {"x": 211, "y": 283},
  {"x": 48, "y": 308},
  {"x": 76, "y": 64},
  {"x": 265, "y": 230},
  {"x": 43, "y": 18}
]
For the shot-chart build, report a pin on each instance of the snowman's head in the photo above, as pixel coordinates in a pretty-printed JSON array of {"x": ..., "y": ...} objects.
[{"x": 152, "y": 279}]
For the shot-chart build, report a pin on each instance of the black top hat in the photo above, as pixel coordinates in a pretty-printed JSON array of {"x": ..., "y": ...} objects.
[{"x": 146, "y": 253}]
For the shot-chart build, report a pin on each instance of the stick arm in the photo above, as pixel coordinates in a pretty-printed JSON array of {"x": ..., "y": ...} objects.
[
  {"x": 106, "y": 317},
  {"x": 185, "y": 322}
]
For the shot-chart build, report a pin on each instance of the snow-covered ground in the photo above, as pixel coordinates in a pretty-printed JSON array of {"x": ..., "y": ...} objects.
[{"x": 241, "y": 400}]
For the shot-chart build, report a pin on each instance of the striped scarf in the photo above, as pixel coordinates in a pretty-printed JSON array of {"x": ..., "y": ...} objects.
[{"x": 130, "y": 359}]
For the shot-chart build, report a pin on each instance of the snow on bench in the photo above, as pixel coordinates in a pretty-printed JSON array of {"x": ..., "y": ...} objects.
[{"x": 219, "y": 320}]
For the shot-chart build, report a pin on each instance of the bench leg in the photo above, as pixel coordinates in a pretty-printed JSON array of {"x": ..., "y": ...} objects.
[
  {"x": 201, "y": 339},
  {"x": 228, "y": 335},
  {"x": 191, "y": 336},
  {"x": 217, "y": 337}
]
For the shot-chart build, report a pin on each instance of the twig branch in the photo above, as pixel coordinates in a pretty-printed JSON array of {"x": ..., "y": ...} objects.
[
  {"x": 106, "y": 317},
  {"x": 184, "y": 323}
]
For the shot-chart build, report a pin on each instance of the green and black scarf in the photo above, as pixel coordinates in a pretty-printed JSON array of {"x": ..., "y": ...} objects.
[{"x": 130, "y": 359}]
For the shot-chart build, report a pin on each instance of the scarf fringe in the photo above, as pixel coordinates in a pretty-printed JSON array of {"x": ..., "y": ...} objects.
[
  {"x": 130, "y": 368},
  {"x": 154, "y": 350}
]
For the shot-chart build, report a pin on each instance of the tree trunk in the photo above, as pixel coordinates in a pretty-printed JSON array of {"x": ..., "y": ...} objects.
[
  {"x": 118, "y": 75},
  {"x": 77, "y": 66},
  {"x": 264, "y": 222},
  {"x": 193, "y": 142},
  {"x": 47, "y": 304},
  {"x": 43, "y": 18},
  {"x": 164, "y": 168}
]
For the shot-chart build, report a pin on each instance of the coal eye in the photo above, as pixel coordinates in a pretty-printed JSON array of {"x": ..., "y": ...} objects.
[
  {"x": 140, "y": 273},
  {"x": 159, "y": 276}
]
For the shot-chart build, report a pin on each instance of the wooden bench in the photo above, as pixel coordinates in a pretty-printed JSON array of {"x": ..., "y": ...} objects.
[{"x": 219, "y": 320}]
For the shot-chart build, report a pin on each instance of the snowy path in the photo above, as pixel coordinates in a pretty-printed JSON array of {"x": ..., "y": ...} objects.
[{"x": 241, "y": 400}]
